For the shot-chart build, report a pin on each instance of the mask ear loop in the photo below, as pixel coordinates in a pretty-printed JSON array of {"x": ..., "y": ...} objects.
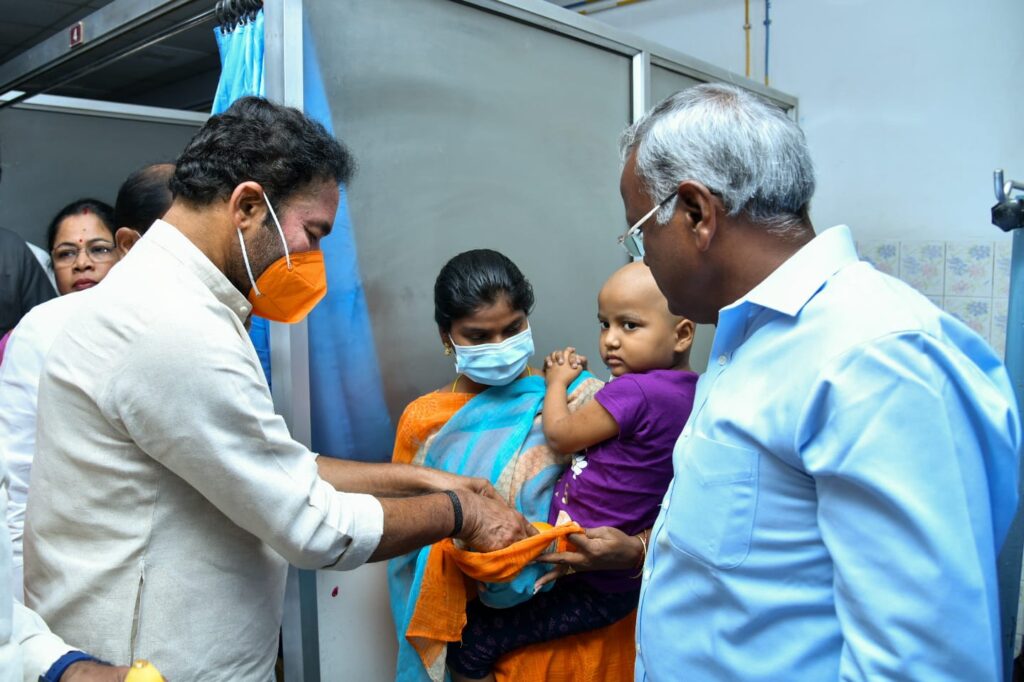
[
  {"x": 245, "y": 259},
  {"x": 287, "y": 258}
]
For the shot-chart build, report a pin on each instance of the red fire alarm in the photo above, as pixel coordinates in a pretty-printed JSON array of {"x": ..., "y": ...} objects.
[{"x": 76, "y": 35}]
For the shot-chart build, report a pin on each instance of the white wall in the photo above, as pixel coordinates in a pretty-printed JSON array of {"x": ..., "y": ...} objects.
[{"x": 907, "y": 105}]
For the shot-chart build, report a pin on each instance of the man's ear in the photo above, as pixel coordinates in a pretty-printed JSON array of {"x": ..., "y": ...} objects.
[
  {"x": 246, "y": 206},
  {"x": 698, "y": 208},
  {"x": 685, "y": 330},
  {"x": 125, "y": 238}
]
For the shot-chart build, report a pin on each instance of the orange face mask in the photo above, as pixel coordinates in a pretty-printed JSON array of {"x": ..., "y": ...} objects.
[{"x": 291, "y": 286}]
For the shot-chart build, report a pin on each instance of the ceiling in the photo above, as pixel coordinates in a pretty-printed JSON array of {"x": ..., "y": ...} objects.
[
  {"x": 179, "y": 72},
  {"x": 24, "y": 23}
]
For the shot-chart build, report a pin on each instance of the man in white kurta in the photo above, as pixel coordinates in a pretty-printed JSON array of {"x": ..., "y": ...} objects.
[
  {"x": 167, "y": 497},
  {"x": 189, "y": 494}
]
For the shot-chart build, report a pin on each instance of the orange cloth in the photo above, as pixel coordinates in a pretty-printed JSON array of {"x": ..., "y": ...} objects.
[
  {"x": 604, "y": 655},
  {"x": 423, "y": 418},
  {"x": 440, "y": 612}
]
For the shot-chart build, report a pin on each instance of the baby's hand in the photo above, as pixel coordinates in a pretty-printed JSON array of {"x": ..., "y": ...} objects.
[
  {"x": 551, "y": 576},
  {"x": 563, "y": 366}
]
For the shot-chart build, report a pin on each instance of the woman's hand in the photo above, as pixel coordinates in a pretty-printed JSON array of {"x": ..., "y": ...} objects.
[
  {"x": 599, "y": 549},
  {"x": 563, "y": 366}
]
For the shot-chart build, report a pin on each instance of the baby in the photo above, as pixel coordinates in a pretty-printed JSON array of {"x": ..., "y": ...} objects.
[{"x": 625, "y": 437}]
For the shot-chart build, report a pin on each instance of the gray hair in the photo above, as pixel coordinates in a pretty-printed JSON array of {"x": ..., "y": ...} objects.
[{"x": 740, "y": 146}]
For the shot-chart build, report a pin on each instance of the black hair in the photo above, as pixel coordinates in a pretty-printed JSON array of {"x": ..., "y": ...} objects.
[
  {"x": 102, "y": 210},
  {"x": 144, "y": 197},
  {"x": 478, "y": 278},
  {"x": 276, "y": 146}
]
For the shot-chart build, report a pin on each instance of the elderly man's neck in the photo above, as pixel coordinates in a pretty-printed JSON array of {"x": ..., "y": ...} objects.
[{"x": 752, "y": 252}]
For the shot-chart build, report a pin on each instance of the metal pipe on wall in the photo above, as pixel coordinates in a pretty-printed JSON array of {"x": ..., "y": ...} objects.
[
  {"x": 767, "y": 36},
  {"x": 746, "y": 32}
]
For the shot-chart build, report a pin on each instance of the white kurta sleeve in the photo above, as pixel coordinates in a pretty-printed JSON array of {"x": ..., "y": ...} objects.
[
  {"x": 40, "y": 648},
  {"x": 19, "y": 389}
]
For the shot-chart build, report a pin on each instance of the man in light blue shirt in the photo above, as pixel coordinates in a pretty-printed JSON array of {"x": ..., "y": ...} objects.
[{"x": 849, "y": 471}]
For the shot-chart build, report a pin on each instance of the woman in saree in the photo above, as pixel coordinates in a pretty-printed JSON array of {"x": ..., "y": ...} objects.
[{"x": 486, "y": 423}]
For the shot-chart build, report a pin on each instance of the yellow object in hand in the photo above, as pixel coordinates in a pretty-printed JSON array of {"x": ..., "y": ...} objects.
[{"x": 144, "y": 671}]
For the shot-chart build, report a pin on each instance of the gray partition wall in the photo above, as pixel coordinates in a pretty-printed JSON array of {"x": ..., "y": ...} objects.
[
  {"x": 53, "y": 155},
  {"x": 478, "y": 125},
  {"x": 473, "y": 131},
  {"x": 666, "y": 81}
]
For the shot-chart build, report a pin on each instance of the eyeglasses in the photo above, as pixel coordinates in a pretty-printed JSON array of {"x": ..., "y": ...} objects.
[
  {"x": 98, "y": 252},
  {"x": 633, "y": 240}
]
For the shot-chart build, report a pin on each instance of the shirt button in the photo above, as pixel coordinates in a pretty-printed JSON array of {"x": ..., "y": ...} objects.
[
  {"x": 722, "y": 359},
  {"x": 647, "y": 574},
  {"x": 662, "y": 540}
]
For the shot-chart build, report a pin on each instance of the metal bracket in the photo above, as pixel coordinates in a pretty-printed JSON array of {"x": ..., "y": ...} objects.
[
  {"x": 1003, "y": 189},
  {"x": 1008, "y": 214}
]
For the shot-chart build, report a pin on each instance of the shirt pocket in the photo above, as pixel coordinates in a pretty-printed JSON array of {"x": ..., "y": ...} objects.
[{"x": 714, "y": 497}]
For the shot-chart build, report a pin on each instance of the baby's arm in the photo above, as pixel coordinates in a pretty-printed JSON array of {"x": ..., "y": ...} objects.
[{"x": 567, "y": 433}]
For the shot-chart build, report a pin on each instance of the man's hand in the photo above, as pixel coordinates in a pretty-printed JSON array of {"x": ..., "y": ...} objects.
[
  {"x": 563, "y": 366},
  {"x": 90, "y": 671},
  {"x": 442, "y": 480},
  {"x": 600, "y": 549},
  {"x": 490, "y": 524}
]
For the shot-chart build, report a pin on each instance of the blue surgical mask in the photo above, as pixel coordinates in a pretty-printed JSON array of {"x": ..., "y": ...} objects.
[{"x": 495, "y": 364}]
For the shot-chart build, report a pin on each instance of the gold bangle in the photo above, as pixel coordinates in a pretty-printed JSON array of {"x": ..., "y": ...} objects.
[{"x": 643, "y": 555}]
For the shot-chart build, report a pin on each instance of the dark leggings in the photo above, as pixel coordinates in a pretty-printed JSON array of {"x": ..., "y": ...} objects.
[{"x": 570, "y": 608}]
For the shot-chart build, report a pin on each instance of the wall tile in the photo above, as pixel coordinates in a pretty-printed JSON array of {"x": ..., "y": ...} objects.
[
  {"x": 884, "y": 255},
  {"x": 969, "y": 268},
  {"x": 937, "y": 300},
  {"x": 976, "y": 313},
  {"x": 1001, "y": 273},
  {"x": 923, "y": 266},
  {"x": 997, "y": 333}
]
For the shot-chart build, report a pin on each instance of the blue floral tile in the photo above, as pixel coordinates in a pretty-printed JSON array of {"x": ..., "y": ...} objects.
[
  {"x": 883, "y": 255},
  {"x": 923, "y": 266},
  {"x": 969, "y": 268},
  {"x": 1001, "y": 272},
  {"x": 997, "y": 332},
  {"x": 936, "y": 300},
  {"x": 976, "y": 313}
]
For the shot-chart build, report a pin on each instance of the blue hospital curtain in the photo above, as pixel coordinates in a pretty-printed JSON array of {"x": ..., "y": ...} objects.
[
  {"x": 349, "y": 415},
  {"x": 241, "y": 74}
]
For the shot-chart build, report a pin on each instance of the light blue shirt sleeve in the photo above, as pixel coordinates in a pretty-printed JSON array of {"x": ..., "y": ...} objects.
[{"x": 899, "y": 436}]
